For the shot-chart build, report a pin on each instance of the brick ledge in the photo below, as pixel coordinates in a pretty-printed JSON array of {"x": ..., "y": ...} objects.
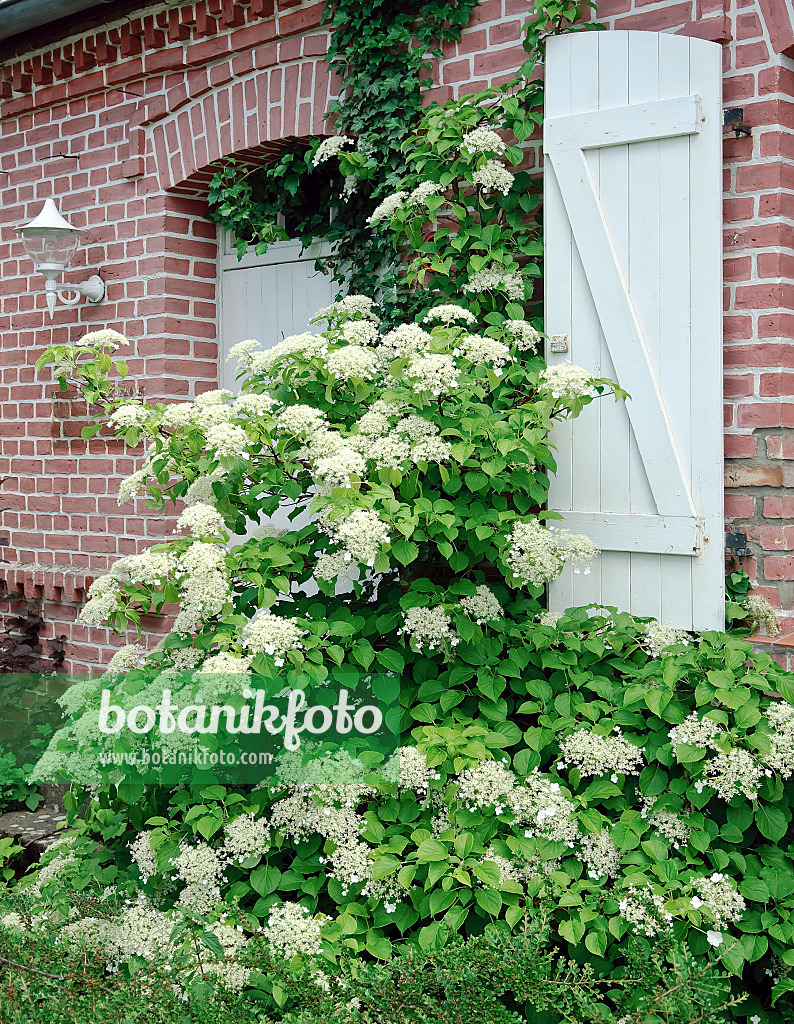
[{"x": 51, "y": 582}]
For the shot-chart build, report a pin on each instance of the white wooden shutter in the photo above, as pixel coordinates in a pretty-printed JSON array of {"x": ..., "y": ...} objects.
[
  {"x": 268, "y": 297},
  {"x": 633, "y": 256}
]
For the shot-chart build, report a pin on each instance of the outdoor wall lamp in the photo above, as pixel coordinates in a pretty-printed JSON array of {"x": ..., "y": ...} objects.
[{"x": 51, "y": 241}]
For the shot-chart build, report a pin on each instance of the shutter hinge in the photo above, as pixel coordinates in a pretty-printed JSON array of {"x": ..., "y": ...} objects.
[{"x": 737, "y": 544}]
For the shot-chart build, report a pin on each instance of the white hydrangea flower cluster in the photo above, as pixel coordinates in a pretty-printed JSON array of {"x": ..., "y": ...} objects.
[
  {"x": 144, "y": 856},
  {"x": 177, "y": 415},
  {"x": 311, "y": 810},
  {"x": 103, "y": 600},
  {"x": 252, "y": 404},
  {"x": 201, "y": 868},
  {"x": 386, "y": 890},
  {"x": 487, "y": 784},
  {"x": 353, "y": 361},
  {"x": 335, "y": 565},
  {"x": 205, "y": 587},
  {"x": 493, "y": 176},
  {"x": 61, "y": 857},
  {"x": 479, "y": 349},
  {"x": 305, "y": 346},
  {"x": 338, "y": 469},
  {"x": 150, "y": 568},
  {"x": 695, "y": 731},
  {"x": 363, "y": 533},
  {"x": 13, "y": 922},
  {"x": 550, "y": 618},
  {"x": 348, "y": 308},
  {"x": 657, "y": 638},
  {"x": 330, "y": 147},
  {"x": 733, "y": 772},
  {"x": 102, "y": 339},
  {"x": 539, "y": 803},
  {"x": 434, "y": 449},
  {"x": 292, "y": 931},
  {"x": 568, "y": 382},
  {"x": 527, "y": 338},
  {"x": 433, "y": 372},
  {"x": 227, "y": 440},
  {"x": 272, "y": 634},
  {"x": 200, "y": 490},
  {"x": 310, "y": 778},
  {"x": 645, "y": 910},
  {"x": 482, "y": 605},
  {"x": 386, "y": 209},
  {"x": 141, "y": 931},
  {"x": 429, "y": 628},
  {"x": 129, "y": 415},
  {"x": 414, "y": 772},
  {"x": 447, "y": 313},
  {"x": 242, "y": 349},
  {"x": 200, "y": 520},
  {"x": 667, "y": 822},
  {"x": 719, "y": 897},
  {"x": 210, "y": 410},
  {"x": 389, "y": 452},
  {"x": 490, "y": 279},
  {"x": 544, "y": 807},
  {"x": 537, "y": 553},
  {"x": 300, "y": 420},
  {"x": 404, "y": 340},
  {"x": 132, "y": 485},
  {"x": 423, "y": 191},
  {"x": 417, "y": 428},
  {"x": 594, "y": 754},
  {"x": 780, "y": 758},
  {"x": 601, "y": 855},
  {"x": 125, "y": 658},
  {"x": 762, "y": 614},
  {"x": 482, "y": 139},
  {"x": 225, "y": 663},
  {"x": 359, "y": 332},
  {"x": 198, "y": 865},
  {"x": 245, "y": 837}
]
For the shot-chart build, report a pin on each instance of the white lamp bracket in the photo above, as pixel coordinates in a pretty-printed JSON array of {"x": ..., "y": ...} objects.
[{"x": 92, "y": 289}]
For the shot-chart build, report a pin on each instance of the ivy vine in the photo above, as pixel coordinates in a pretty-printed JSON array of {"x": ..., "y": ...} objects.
[{"x": 383, "y": 52}]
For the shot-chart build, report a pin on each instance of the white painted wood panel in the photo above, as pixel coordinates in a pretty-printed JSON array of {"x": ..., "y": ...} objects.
[
  {"x": 268, "y": 297},
  {"x": 633, "y": 277}
]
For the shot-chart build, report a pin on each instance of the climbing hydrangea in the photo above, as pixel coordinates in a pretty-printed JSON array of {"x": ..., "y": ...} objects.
[{"x": 594, "y": 754}]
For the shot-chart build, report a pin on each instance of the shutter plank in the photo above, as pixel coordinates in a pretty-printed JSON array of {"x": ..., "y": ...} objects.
[{"x": 620, "y": 180}]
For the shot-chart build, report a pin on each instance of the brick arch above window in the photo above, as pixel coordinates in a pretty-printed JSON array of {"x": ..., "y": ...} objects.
[{"x": 249, "y": 117}]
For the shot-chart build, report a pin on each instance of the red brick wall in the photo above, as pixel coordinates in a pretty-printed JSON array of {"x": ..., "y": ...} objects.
[{"x": 120, "y": 124}]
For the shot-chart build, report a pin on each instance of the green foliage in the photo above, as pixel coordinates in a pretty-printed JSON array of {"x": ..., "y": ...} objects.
[
  {"x": 45, "y": 981},
  {"x": 14, "y": 790},
  {"x": 93, "y": 355},
  {"x": 383, "y": 53},
  {"x": 504, "y": 978},
  {"x": 496, "y": 978}
]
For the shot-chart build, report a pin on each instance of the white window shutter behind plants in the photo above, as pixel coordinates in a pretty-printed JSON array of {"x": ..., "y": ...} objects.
[
  {"x": 632, "y": 211},
  {"x": 268, "y": 297}
]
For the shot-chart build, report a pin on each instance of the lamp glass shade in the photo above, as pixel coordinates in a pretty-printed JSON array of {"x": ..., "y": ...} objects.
[{"x": 49, "y": 239}]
